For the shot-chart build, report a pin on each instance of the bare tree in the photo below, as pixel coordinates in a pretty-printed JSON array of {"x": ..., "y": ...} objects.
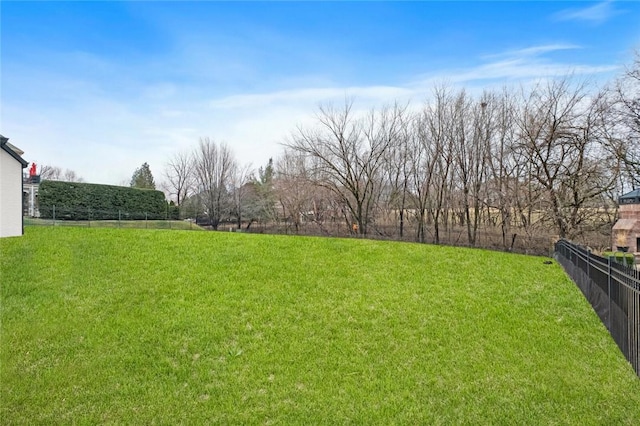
[
  {"x": 179, "y": 174},
  {"x": 213, "y": 165},
  {"x": 397, "y": 172},
  {"x": 437, "y": 121},
  {"x": 301, "y": 197},
  {"x": 625, "y": 115},
  {"x": 503, "y": 167},
  {"x": 293, "y": 187},
  {"x": 425, "y": 150},
  {"x": 48, "y": 172},
  {"x": 594, "y": 168},
  {"x": 387, "y": 130},
  {"x": 242, "y": 188},
  {"x": 559, "y": 137},
  {"x": 469, "y": 131},
  {"x": 349, "y": 154},
  {"x": 71, "y": 176}
]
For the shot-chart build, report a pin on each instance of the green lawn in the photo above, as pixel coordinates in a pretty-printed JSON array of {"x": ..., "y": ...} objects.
[{"x": 128, "y": 326}]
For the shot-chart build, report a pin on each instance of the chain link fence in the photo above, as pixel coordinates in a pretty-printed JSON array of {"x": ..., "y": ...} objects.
[
  {"x": 87, "y": 217},
  {"x": 517, "y": 241}
]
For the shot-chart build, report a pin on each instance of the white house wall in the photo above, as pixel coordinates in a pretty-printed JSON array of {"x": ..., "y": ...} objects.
[{"x": 10, "y": 196}]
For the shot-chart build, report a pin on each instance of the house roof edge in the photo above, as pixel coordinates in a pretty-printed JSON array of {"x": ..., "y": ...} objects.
[{"x": 7, "y": 147}]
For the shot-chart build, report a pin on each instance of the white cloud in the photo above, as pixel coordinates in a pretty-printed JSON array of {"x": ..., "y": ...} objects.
[
  {"x": 104, "y": 137},
  {"x": 521, "y": 64},
  {"x": 518, "y": 69},
  {"x": 596, "y": 14},
  {"x": 314, "y": 95},
  {"x": 533, "y": 51}
]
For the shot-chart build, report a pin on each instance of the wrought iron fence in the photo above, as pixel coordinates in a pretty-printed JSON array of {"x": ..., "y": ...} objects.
[{"x": 613, "y": 289}]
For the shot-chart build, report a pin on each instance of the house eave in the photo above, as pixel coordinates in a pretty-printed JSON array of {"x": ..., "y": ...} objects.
[{"x": 6, "y": 147}]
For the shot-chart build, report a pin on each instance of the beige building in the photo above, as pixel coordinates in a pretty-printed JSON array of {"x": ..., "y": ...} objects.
[
  {"x": 11, "y": 165},
  {"x": 626, "y": 231}
]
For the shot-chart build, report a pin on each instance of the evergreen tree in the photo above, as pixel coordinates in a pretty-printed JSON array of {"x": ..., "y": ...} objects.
[
  {"x": 142, "y": 178},
  {"x": 266, "y": 173},
  {"x": 265, "y": 197}
]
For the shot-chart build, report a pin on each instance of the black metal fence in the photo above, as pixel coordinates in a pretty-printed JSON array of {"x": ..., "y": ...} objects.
[{"x": 613, "y": 290}]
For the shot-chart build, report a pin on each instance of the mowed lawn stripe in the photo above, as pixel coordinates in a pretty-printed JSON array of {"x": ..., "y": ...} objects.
[{"x": 158, "y": 326}]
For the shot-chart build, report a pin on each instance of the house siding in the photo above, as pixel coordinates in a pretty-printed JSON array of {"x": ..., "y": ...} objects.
[{"x": 10, "y": 196}]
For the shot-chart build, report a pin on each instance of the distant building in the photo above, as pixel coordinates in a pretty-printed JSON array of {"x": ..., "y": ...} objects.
[
  {"x": 626, "y": 231},
  {"x": 30, "y": 199},
  {"x": 30, "y": 185},
  {"x": 11, "y": 165}
]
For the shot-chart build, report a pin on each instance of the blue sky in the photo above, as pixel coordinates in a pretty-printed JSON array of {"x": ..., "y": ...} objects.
[{"x": 101, "y": 87}]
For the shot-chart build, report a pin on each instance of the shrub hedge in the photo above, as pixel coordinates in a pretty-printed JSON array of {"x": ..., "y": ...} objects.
[
  {"x": 626, "y": 259},
  {"x": 90, "y": 201}
]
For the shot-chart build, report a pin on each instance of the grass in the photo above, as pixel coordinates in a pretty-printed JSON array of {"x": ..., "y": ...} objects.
[{"x": 125, "y": 326}]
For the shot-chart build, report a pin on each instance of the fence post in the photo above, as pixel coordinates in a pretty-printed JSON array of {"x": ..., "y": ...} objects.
[
  {"x": 609, "y": 292},
  {"x": 145, "y": 220},
  {"x": 119, "y": 217},
  {"x": 54, "y": 215}
]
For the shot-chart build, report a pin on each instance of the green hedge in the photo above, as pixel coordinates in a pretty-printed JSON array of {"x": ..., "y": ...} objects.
[
  {"x": 89, "y": 201},
  {"x": 626, "y": 259}
]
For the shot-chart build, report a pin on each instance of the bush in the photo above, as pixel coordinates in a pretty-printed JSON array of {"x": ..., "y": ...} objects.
[
  {"x": 90, "y": 201},
  {"x": 626, "y": 259},
  {"x": 173, "y": 211}
]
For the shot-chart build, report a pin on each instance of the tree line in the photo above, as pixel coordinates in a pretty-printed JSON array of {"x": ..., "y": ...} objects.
[{"x": 547, "y": 158}]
